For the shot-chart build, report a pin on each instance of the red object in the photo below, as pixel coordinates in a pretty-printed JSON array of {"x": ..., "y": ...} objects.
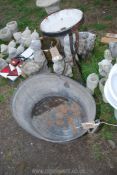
[
  {"x": 13, "y": 73},
  {"x": 15, "y": 61},
  {"x": 5, "y": 70},
  {"x": 20, "y": 63}
]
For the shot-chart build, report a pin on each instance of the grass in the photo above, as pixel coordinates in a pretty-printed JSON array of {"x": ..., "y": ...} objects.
[
  {"x": 108, "y": 17},
  {"x": 97, "y": 2},
  {"x": 2, "y": 98},
  {"x": 97, "y": 151},
  {"x": 3, "y": 82},
  {"x": 27, "y": 14},
  {"x": 98, "y": 26}
]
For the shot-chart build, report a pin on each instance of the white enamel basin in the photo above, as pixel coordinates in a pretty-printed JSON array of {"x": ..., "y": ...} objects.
[{"x": 61, "y": 21}]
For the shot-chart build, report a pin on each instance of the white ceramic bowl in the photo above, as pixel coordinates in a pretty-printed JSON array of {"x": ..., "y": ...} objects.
[
  {"x": 109, "y": 96},
  {"x": 112, "y": 82}
]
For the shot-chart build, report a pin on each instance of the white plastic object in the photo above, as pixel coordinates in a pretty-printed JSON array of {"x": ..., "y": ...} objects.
[
  {"x": 20, "y": 50},
  {"x": 12, "y": 26},
  {"x": 17, "y": 36},
  {"x": 35, "y": 35},
  {"x": 27, "y": 53},
  {"x": 104, "y": 67},
  {"x": 5, "y": 34},
  {"x": 35, "y": 45},
  {"x": 107, "y": 55},
  {"x": 101, "y": 87},
  {"x": 113, "y": 82},
  {"x": 110, "y": 89},
  {"x": 4, "y": 48},
  {"x": 12, "y": 44},
  {"x": 92, "y": 82},
  {"x": 12, "y": 52},
  {"x": 110, "y": 98}
]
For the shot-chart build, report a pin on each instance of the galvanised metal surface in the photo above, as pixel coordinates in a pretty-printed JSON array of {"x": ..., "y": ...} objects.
[{"x": 53, "y": 107}]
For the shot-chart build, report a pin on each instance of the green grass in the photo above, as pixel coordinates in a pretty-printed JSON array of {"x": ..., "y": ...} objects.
[
  {"x": 97, "y": 152},
  {"x": 83, "y": 7},
  {"x": 103, "y": 2},
  {"x": 108, "y": 17},
  {"x": 99, "y": 26},
  {"x": 106, "y": 134},
  {"x": 2, "y": 98},
  {"x": 90, "y": 65},
  {"x": 3, "y": 82},
  {"x": 24, "y": 11},
  {"x": 97, "y": 2}
]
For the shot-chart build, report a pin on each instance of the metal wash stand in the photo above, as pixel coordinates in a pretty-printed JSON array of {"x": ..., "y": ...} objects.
[{"x": 63, "y": 23}]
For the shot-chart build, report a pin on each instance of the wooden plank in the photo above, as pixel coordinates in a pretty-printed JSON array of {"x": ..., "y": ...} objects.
[
  {"x": 107, "y": 40},
  {"x": 54, "y": 52},
  {"x": 111, "y": 35}
]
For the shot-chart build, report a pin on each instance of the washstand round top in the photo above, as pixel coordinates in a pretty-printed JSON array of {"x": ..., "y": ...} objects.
[
  {"x": 45, "y": 3},
  {"x": 61, "y": 22}
]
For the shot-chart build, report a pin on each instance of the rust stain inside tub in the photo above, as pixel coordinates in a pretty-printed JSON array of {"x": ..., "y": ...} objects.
[{"x": 57, "y": 115}]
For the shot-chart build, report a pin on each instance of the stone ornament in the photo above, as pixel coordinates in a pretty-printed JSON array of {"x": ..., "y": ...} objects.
[
  {"x": 4, "y": 49},
  {"x": 35, "y": 45},
  {"x": 68, "y": 70},
  {"x": 101, "y": 87},
  {"x": 27, "y": 32},
  {"x": 104, "y": 67},
  {"x": 3, "y": 63},
  {"x": 20, "y": 49},
  {"x": 39, "y": 57},
  {"x": 12, "y": 44},
  {"x": 86, "y": 43},
  {"x": 113, "y": 49},
  {"x": 12, "y": 52},
  {"x": 17, "y": 36},
  {"x": 26, "y": 37},
  {"x": 12, "y": 26},
  {"x": 35, "y": 35},
  {"x": 92, "y": 82},
  {"x": 58, "y": 61},
  {"x": 30, "y": 67},
  {"x": 5, "y": 34},
  {"x": 107, "y": 55},
  {"x": 50, "y": 6},
  {"x": 58, "y": 66}
]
